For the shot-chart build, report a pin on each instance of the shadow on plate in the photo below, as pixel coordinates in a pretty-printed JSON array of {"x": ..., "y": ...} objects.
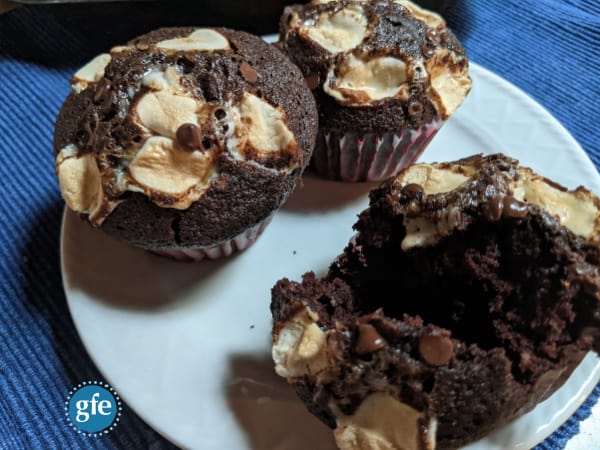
[
  {"x": 56, "y": 352},
  {"x": 119, "y": 274},
  {"x": 269, "y": 411},
  {"x": 318, "y": 195}
]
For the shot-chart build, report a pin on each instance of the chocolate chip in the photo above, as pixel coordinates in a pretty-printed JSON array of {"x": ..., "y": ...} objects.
[
  {"x": 142, "y": 45},
  {"x": 101, "y": 89},
  {"x": 312, "y": 81},
  {"x": 427, "y": 51},
  {"x": 189, "y": 137},
  {"x": 492, "y": 209},
  {"x": 369, "y": 340},
  {"x": 415, "y": 108},
  {"x": 508, "y": 206},
  {"x": 436, "y": 350},
  {"x": 248, "y": 72},
  {"x": 412, "y": 191},
  {"x": 389, "y": 329},
  {"x": 514, "y": 208}
]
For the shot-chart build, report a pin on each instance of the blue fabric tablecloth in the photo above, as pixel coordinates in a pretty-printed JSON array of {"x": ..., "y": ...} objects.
[{"x": 548, "y": 48}]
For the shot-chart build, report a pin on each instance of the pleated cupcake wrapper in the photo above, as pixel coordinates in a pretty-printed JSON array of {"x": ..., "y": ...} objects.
[
  {"x": 351, "y": 156},
  {"x": 237, "y": 244}
]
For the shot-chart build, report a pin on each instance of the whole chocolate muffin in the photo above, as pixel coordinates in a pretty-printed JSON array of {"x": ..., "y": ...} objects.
[
  {"x": 386, "y": 75},
  {"x": 185, "y": 141},
  {"x": 469, "y": 295}
]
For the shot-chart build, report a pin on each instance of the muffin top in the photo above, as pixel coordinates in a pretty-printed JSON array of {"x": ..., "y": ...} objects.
[
  {"x": 381, "y": 64},
  {"x": 178, "y": 116},
  {"x": 441, "y": 198}
]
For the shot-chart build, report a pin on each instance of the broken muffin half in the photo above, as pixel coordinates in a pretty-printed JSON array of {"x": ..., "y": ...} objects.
[{"x": 468, "y": 295}]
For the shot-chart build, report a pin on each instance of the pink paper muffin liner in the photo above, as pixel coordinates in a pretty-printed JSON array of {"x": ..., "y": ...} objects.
[
  {"x": 352, "y": 156},
  {"x": 237, "y": 244}
]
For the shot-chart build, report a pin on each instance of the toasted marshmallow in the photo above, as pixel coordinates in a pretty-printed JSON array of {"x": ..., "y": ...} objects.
[
  {"x": 92, "y": 72},
  {"x": 300, "y": 348},
  {"x": 356, "y": 81},
  {"x": 384, "y": 422},
  {"x": 339, "y": 31},
  {"x": 202, "y": 39},
  {"x": 161, "y": 166}
]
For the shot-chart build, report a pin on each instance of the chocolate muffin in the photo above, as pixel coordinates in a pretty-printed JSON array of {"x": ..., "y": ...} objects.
[
  {"x": 185, "y": 141},
  {"x": 386, "y": 75},
  {"x": 469, "y": 294}
]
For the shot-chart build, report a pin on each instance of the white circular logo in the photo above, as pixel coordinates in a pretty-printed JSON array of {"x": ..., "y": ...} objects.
[{"x": 93, "y": 408}]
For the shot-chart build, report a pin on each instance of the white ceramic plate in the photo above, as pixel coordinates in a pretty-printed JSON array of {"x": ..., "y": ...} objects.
[{"x": 187, "y": 345}]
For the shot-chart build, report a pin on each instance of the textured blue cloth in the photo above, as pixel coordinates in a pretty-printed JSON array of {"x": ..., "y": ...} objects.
[{"x": 549, "y": 48}]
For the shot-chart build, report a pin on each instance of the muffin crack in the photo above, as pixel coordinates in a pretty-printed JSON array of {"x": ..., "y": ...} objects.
[{"x": 176, "y": 230}]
